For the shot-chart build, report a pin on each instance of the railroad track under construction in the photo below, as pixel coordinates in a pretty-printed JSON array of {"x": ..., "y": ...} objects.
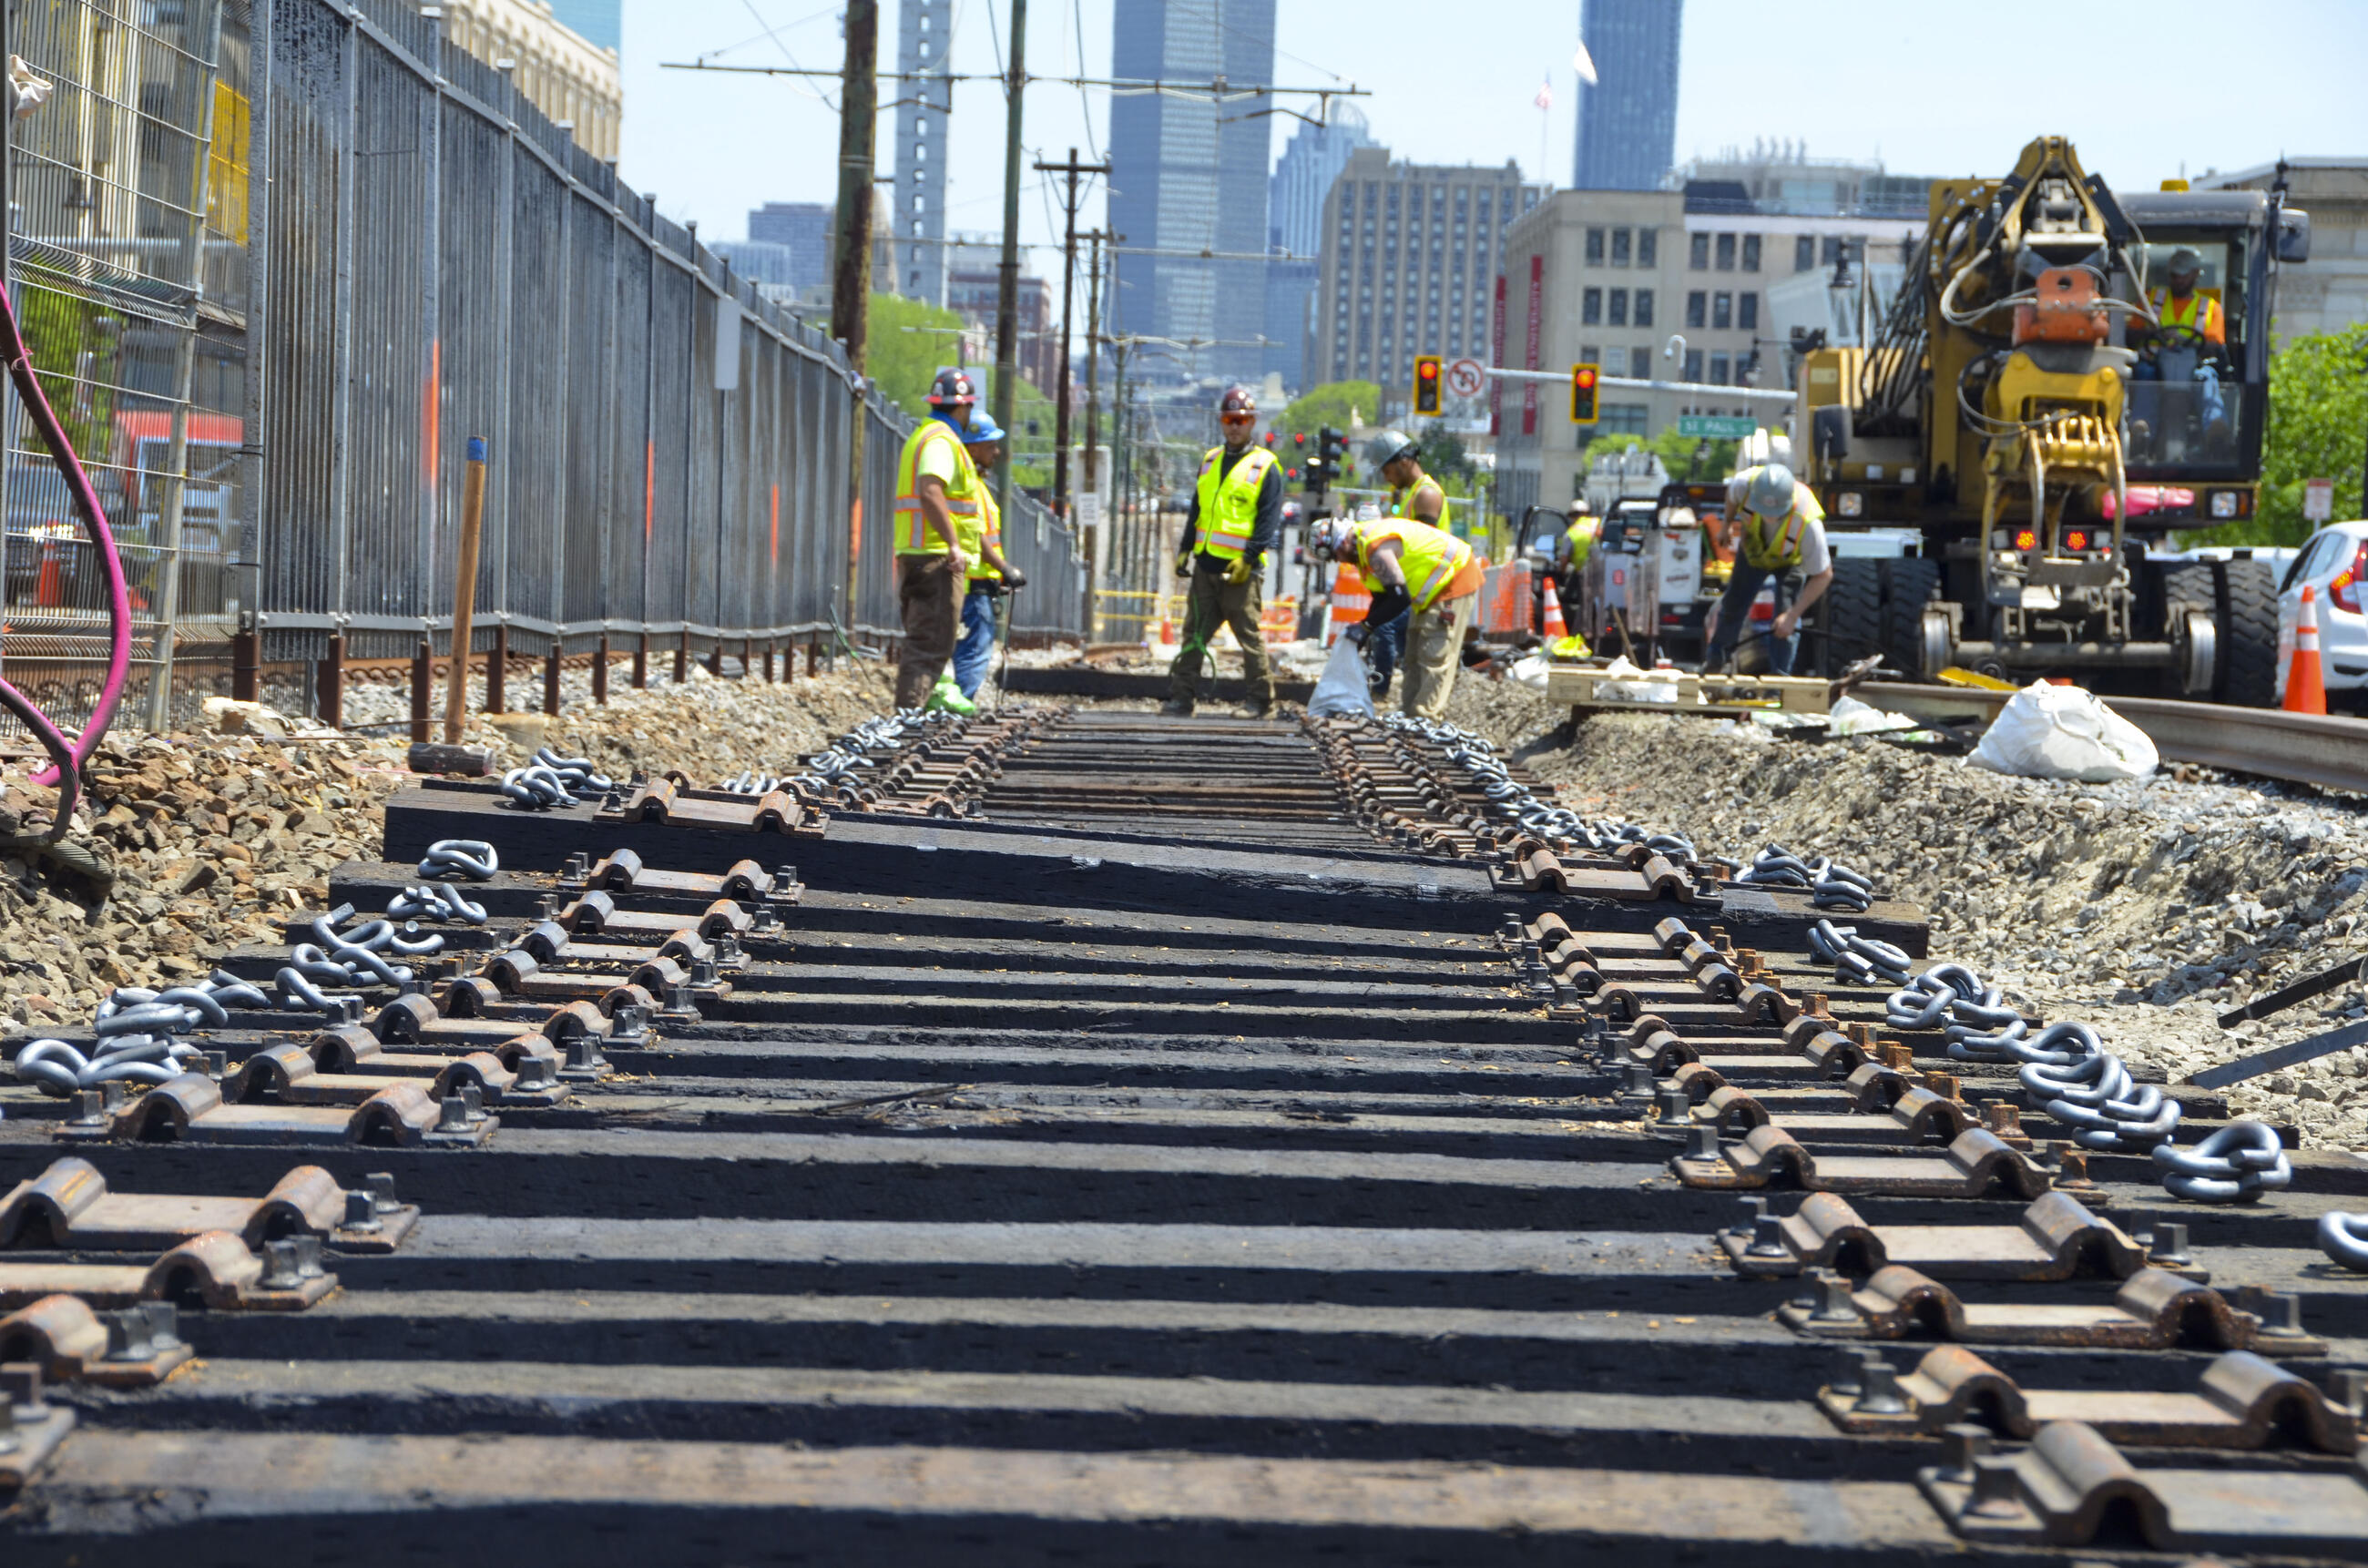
[{"x": 1085, "y": 1137}]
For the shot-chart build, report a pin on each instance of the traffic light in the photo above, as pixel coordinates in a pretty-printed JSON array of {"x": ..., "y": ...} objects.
[
  {"x": 1582, "y": 393},
  {"x": 1324, "y": 466},
  {"x": 1427, "y": 392}
]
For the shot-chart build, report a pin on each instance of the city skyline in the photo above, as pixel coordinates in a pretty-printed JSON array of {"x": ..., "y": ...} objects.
[{"x": 675, "y": 120}]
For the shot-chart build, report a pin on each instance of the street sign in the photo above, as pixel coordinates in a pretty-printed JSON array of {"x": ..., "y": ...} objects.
[
  {"x": 1718, "y": 426},
  {"x": 2317, "y": 500},
  {"x": 1466, "y": 378},
  {"x": 1089, "y": 510}
]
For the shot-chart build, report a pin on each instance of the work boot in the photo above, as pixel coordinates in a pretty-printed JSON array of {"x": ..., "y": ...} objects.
[
  {"x": 1176, "y": 708},
  {"x": 1259, "y": 708}
]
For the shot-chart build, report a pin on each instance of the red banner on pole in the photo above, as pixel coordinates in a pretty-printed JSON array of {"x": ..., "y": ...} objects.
[{"x": 1529, "y": 348}]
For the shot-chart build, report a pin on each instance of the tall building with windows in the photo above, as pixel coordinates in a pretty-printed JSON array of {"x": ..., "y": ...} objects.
[
  {"x": 800, "y": 232},
  {"x": 1188, "y": 175},
  {"x": 1628, "y": 121},
  {"x": 1409, "y": 265},
  {"x": 1311, "y": 160},
  {"x": 923, "y": 110},
  {"x": 1693, "y": 286}
]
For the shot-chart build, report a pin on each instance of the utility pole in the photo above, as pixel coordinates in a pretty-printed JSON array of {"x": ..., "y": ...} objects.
[
  {"x": 1006, "y": 304},
  {"x": 1073, "y": 169},
  {"x": 1095, "y": 548},
  {"x": 851, "y": 288}
]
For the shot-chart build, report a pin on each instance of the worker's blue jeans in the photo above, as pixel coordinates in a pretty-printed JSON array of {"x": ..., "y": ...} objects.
[
  {"x": 975, "y": 652},
  {"x": 1386, "y": 646},
  {"x": 1734, "y": 614}
]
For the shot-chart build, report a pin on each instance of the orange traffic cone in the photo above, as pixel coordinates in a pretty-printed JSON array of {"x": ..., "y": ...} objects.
[
  {"x": 1555, "y": 630},
  {"x": 49, "y": 586},
  {"x": 2306, "y": 685}
]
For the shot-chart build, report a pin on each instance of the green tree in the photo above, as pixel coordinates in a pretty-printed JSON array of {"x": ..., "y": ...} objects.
[
  {"x": 1443, "y": 455},
  {"x": 1329, "y": 404},
  {"x": 1686, "y": 457},
  {"x": 75, "y": 346},
  {"x": 2319, "y": 420}
]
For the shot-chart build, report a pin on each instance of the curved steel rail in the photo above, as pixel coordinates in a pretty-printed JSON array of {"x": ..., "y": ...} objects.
[{"x": 2303, "y": 748}]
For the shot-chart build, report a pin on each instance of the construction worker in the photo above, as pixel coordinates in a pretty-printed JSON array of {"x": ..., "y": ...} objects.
[
  {"x": 1782, "y": 531},
  {"x": 936, "y": 488},
  {"x": 1578, "y": 542},
  {"x": 2187, "y": 342},
  {"x": 1413, "y": 569},
  {"x": 1235, "y": 517},
  {"x": 1415, "y": 494},
  {"x": 991, "y": 576}
]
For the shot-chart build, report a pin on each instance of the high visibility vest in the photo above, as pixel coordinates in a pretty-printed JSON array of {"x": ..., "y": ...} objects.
[
  {"x": 1229, "y": 501},
  {"x": 1582, "y": 535},
  {"x": 1774, "y": 545},
  {"x": 984, "y": 527},
  {"x": 1429, "y": 558},
  {"x": 2200, "y": 313},
  {"x": 1400, "y": 500},
  {"x": 914, "y": 535}
]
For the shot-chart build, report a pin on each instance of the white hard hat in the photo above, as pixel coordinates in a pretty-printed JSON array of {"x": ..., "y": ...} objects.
[{"x": 1771, "y": 494}]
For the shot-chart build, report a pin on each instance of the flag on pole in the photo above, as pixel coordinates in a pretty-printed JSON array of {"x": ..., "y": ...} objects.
[{"x": 1544, "y": 99}]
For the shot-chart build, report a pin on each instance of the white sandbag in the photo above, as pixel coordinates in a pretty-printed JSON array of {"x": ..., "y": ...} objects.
[
  {"x": 1532, "y": 671},
  {"x": 2062, "y": 731},
  {"x": 1343, "y": 692}
]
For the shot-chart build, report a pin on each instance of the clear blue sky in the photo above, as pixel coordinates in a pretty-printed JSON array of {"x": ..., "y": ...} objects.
[{"x": 2178, "y": 84}]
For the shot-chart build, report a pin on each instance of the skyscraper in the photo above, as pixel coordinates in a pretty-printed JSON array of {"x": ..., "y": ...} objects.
[
  {"x": 1188, "y": 175},
  {"x": 1628, "y": 121},
  {"x": 801, "y": 229},
  {"x": 922, "y": 37},
  {"x": 1311, "y": 160}
]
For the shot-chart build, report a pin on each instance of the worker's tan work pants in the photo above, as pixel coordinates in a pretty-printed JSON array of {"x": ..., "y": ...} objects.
[
  {"x": 1213, "y": 602},
  {"x": 1434, "y": 653},
  {"x": 930, "y": 599}
]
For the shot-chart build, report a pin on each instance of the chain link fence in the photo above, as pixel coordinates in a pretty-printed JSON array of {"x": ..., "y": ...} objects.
[{"x": 282, "y": 261}]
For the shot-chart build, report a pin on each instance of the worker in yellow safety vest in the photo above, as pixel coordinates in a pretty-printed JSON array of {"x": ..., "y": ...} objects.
[
  {"x": 1413, "y": 494},
  {"x": 1782, "y": 535},
  {"x": 1578, "y": 542},
  {"x": 1413, "y": 569},
  {"x": 1234, "y": 518},
  {"x": 2186, "y": 346},
  {"x": 936, "y": 489},
  {"x": 991, "y": 574}
]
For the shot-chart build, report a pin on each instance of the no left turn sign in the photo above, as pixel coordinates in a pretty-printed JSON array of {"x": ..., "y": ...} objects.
[{"x": 1465, "y": 378}]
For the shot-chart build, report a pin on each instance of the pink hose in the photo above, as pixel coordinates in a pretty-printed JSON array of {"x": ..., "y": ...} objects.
[{"x": 65, "y": 769}]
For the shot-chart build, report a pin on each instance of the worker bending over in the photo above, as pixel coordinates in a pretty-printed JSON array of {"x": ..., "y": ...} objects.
[
  {"x": 991, "y": 576},
  {"x": 937, "y": 489},
  {"x": 1413, "y": 494},
  {"x": 1782, "y": 530},
  {"x": 1410, "y": 568},
  {"x": 1235, "y": 517}
]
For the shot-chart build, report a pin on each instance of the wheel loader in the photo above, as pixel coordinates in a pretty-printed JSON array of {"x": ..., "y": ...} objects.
[{"x": 2023, "y": 405}]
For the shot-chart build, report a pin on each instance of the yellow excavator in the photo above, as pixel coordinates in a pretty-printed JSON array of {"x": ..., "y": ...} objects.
[{"x": 2067, "y": 379}]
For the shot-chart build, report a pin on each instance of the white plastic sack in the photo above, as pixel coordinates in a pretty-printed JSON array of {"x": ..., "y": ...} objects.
[
  {"x": 1532, "y": 672},
  {"x": 1343, "y": 692},
  {"x": 2062, "y": 732},
  {"x": 1851, "y": 717},
  {"x": 1632, "y": 684}
]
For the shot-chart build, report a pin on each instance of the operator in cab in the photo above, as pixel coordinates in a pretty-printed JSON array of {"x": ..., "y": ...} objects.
[
  {"x": 2187, "y": 343},
  {"x": 1235, "y": 517},
  {"x": 1780, "y": 531}
]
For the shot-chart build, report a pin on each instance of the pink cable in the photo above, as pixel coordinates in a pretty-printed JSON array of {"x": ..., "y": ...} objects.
[{"x": 67, "y": 759}]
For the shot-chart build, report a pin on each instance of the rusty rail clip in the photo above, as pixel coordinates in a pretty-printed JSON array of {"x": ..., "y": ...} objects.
[
  {"x": 218, "y": 1268},
  {"x": 1972, "y": 1166},
  {"x": 2153, "y": 1309},
  {"x": 2057, "y": 1238},
  {"x": 620, "y": 870},
  {"x": 2244, "y": 1402},
  {"x": 68, "y": 1206},
  {"x": 2058, "y": 1492},
  {"x": 133, "y": 1346},
  {"x": 190, "y": 1109},
  {"x": 30, "y": 1428}
]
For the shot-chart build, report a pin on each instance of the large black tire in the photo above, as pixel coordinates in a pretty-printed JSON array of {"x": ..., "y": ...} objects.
[
  {"x": 2248, "y": 634},
  {"x": 1853, "y": 612},
  {"x": 1915, "y": 584},
  {"x": 2189, "y": 584}
]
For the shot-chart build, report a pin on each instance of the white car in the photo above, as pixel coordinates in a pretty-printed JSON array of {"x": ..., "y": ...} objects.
[{"x": 2335, "y": 563}]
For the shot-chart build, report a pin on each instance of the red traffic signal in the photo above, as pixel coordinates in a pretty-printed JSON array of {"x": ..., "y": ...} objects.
[
  {"x": 1426, "y": 396},
  {"x": 1583, "y": 388}
]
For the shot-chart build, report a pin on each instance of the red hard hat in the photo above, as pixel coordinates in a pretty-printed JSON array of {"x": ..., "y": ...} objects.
[
  {"x": 952, "y": 386},
  {"x": 1239, "y": 403}
]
